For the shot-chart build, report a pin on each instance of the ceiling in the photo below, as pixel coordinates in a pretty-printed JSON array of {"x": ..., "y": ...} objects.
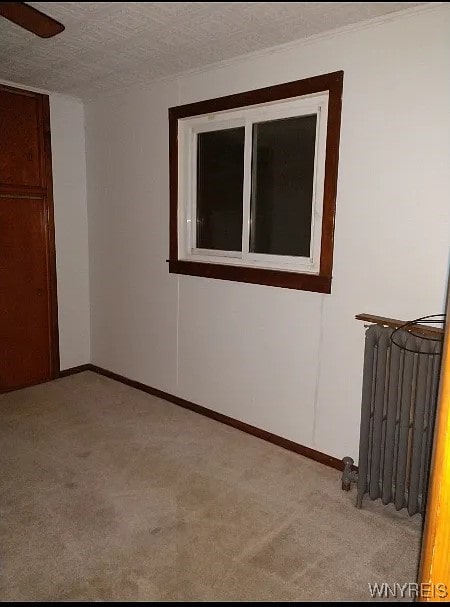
[{"x": 111, "y": 45}]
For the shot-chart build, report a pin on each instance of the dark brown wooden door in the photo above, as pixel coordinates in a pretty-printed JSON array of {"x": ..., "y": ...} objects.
[
  {"x": 28, "y": 312},
  {"x": 21, "y": 140}
]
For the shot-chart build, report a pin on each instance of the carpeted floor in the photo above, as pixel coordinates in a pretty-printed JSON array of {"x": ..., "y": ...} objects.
[{"x": 108, "y": 493}]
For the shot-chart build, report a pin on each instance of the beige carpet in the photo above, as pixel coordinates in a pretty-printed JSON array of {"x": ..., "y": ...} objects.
[{"x": 108, "y": 493}]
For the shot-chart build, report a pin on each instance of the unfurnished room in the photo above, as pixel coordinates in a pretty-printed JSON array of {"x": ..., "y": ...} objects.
[{"x": 224, "y": 260}]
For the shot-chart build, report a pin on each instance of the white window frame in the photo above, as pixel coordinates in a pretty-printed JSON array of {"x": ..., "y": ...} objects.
[{"x": 246, "y": 117}]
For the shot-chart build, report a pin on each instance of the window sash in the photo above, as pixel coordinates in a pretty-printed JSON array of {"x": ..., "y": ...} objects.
[{"x": 187, "y": 187}]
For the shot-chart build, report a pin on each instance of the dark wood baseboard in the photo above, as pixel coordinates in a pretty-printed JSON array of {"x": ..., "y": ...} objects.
[
  {"x": 57, "y": 375},
  {"x": 317, "y": 456},
  {"x": 74, "y": 370}
]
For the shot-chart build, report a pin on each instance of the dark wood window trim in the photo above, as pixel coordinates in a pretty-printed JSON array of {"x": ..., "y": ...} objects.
[{"x": 321, "y": 283}]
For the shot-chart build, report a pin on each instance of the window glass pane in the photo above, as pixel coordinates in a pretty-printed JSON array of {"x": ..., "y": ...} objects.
[
  {"x": 282, "y": 186},
  {"x": 220, "y": 180}
]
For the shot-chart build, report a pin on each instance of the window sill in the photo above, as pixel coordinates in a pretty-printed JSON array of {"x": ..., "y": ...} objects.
[{"x": 259, "y": 276}]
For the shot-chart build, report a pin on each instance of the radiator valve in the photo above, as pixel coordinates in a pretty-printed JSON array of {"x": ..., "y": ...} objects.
[{"x": 349, "y": 475}]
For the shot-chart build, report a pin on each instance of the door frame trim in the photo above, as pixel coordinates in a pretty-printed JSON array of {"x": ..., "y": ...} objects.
[
  {"x": 45, "y": 191},
  {"x": 51, "y": 245},
  {"x": 434, "y": 570}
]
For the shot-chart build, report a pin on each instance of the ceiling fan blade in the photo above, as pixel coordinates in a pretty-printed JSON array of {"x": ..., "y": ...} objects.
[{"x": 31, "y": 19}]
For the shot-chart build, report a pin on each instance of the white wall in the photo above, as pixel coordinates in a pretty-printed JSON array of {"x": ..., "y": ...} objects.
[
  {"x": 287, "y": 361},
  {"x": 71, "y": 229}
]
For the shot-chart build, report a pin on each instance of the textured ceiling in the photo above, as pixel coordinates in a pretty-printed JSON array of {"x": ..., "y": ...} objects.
[{"x": 110, "y": 45}]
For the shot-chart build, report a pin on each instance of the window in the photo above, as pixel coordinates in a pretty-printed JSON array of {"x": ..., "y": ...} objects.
[{"x": 253, "y": 185}]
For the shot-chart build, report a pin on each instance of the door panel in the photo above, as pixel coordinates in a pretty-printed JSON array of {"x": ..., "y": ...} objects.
[
  {"x": 25, "y": 321},
  {"x": 29, "y": 350},
  {"x": 20, "y": 140}
]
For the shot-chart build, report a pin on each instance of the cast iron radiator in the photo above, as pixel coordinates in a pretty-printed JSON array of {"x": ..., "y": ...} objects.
[{"x": 399, "y": 396}]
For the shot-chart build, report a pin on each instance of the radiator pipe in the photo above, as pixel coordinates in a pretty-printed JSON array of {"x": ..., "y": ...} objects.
[{"x": 349, "y": 475}]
